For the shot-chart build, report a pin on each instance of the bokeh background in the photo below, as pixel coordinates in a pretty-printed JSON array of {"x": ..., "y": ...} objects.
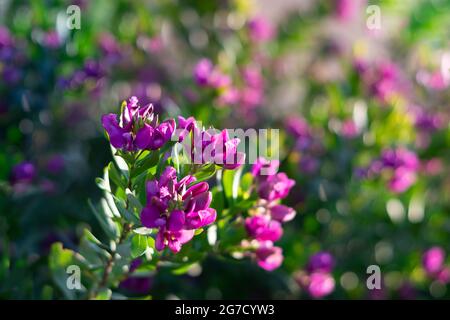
[{"x": 363, "y": 114}]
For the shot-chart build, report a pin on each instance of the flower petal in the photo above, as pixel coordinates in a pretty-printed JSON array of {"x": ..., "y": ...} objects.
[
  {"x": 176, "y": 220},
  {"x": 151, "y": 217}
]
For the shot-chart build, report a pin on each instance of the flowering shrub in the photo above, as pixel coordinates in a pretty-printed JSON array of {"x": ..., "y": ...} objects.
[
  {"x": 155, "y": 200},
  {"x": 356, "y": 178}
]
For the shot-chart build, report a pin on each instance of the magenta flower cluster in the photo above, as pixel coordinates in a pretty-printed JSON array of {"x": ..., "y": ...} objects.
[
  {"x": 260, "y": 29},
  {"x": 306, "y": 144},
  {"x": 384, "y": 80},
  {"x": 433, "y": 262},
  {"x": 176, "y": 209},
  {"x": 210, "y": 146},
  {"x": 137, "y": 128},
  {"x": 401, "y": 163},
  {"x": 24, "y": 172},
  {"x": 248, "y": 95},
  {"x": 264, "y": 225},
  {"x": 317, "y": 279}
]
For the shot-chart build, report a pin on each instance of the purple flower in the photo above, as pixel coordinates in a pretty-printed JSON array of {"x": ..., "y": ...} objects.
[
  {"x": 251, "y": 97},
  {"x": 264, "y": 167},
  {"x": 402, "y": 179},
  {"x": 219, "y": 80},
  {"x": 153, "y": 138},
  {"x": 300, "y": 130},
  {"x": 403, "y": 164},
  {"x": 271, "y": 185},
  {"x": 55, "y": 164},
  {"x": 23, "y": 172},
  {"x": 268, "y": 256},
  {"x": 136, "y": 128},
  {"x": 346, "y": 10},
  {"x": 308, "y": 164},
  {"x": 275, "y": 187},
  {"x": 443, "y": 275},
  {"x": 173, "y": 239},
  {"x": 11, "y": 75},
  {"x": 228, "y": 96},
  {"x": 282, "y": 213},
  {"x": 51, "y": 40},
  {"x": 185, "y": 127},
  {"x": 262, "y": 228},
  {"x": 320, "y": 284},
  {"x": 177, "y": 208},
  {"x": 202, "y": 71},
  {"x": 6, "y": 41},
  {"x": 93, "y": 69},
  {"x": 387, "y": 82},
  {"x": 349, "y": 129},
  {"x": 253, "y": 77},
  {"x": 322, "y": 261},
  {"x": 434, "y": 80},
  {"x": 108, "y": 44},
  {"x": 216, "y": 148},
  {"x": 260, "y": 29},
  {"x": 396, "y": 158},
  {"x": 428, "y": 122},
  {"x": 433, "y": 260}
]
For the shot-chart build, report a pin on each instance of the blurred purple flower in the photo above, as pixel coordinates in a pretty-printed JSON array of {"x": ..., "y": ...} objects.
[
  {"x": 403, "y": 163},
  {"x": 202, "y": 72},
  {"x": 322, "y": 261},
  {"x": 23, "y": 172},
  {"x": 347, "y": 10},
  {"x": 320, "y": 284},
  {"x": 51, "y": 40},
  {"x": 262, "y": 228},
  {"x": 55, "y": 164},
  {"x": 428, "y": 122},
  {"x": 268, "y": 256},
  {"x": 349, "y": 129},
  {"x": 282, "y": 213},
  {"x": 433, "y": 260},
  {"x": 275, "y": 187},
  {"x": 402, "y": 179},
  {"x": 263, "y": 167},
  {"x": 260, "y": 29}
]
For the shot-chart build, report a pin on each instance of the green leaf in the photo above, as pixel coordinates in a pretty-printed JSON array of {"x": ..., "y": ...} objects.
[
  {"x": 59, "y": 259},
  {"x": 92, "y": 250},
  {"x": 183, "y": 268},
  {"x": 205, "y": 172},
  {"x": 140, "y": 244},
  {"x": 145, "y": 164},
  {"x": 126, "y": 213},
  {"x": 246, "y": 184},
  {"x": 104, "y": 294},
  {"x": 120, "y": 162},
  {"x": 133, "y": 201},
  {"x": 230, "y": 183},
  {"x": 107, "y": 224},
  {"x": 116, "y": 177},
  {"x": 102, "y": 184}
]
